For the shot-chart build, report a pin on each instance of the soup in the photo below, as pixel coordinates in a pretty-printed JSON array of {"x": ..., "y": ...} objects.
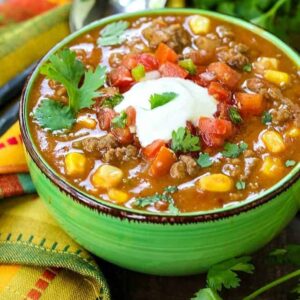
[{"x": 168, "y": 113}]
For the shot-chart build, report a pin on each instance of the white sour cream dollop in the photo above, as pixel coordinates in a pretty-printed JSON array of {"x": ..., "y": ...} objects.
[{"x": 192, "y": 101}]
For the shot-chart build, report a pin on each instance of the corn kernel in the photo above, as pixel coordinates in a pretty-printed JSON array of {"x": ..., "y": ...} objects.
[
  {"x": 215, "y": 183},
  {"x": 277, "y": 77},
  {"x": 75, "y": 164},
  {"x": 87, "y": 123},
  {"x": 107, "y": 176},
  {"x": 273, "y": 141},
  {"x": 199, "y": 24},
  {"x": 293, "y": 132},
  {"x": 272, "y": 166},
  {"x": 270, "y": 63},
  {"x": 118, "y": 196}
]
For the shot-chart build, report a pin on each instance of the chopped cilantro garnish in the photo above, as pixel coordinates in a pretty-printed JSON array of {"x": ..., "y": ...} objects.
[
  {"x": 266, "y": 118},
  {"x": 120, "y": 120},
  {"x": 64, "y": 68},
  {"x": 234, "y": 150},
  {"x": 247, "y": 68},
  {"x": 112, "y": 34},
  {"x": 184, "y": 141},
  {"x": 138, "y": 72},
  {"x": 157, "y": 100},
  {"x": 290, "y": 163},
  {"x": 204, "y": 160},
  {"x": 165, "y": 197},
  {"x": 188, "y": 65},
  {"x": 113, "y": 101},
  {"x": 240, "y": 185},
  {"x": 234, "y": 115}
]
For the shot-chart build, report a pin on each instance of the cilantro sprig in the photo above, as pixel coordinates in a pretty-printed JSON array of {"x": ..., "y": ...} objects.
[
  {"x": 266, "y": 118},
  {"x": 184, "y": 141},
  {"x": 234, "y": 150},
  {"x": 120, "y": 120},
  {"x": 113, "y": 34},
  {"x": 204, "y": 160},
  {"x": 113, "y": 101},
  {"x": 64, "y": 68},
  {"x": 165, "y": 197},
  {"x": 157, "y": 100},
  {"x": 234, "y": 115}
]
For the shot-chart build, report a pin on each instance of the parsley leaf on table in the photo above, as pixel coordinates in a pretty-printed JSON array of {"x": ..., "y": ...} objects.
[
  {"x": 112, "y": 34},
  {"x": 234, "y": 115},
  {"x": 204, "y": 160},
  {"x": 54, "y": 115},
  {"x": 63, "y": 67},
  {"x": 234, "y": 150},
  {"x": 183, "y": 140},
  {"x": 206, "y": 294},
  {"x": 120, "y": 120},
  {"x": 112, "y": 101},
  {"x": 290, "y": 254},
  {"x": 225, "y": 273},
  {"x": 157, "y": 100}
]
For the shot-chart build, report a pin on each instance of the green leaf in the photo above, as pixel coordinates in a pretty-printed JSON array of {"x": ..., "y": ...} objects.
[
  {"x": 289, "y": 254},
  {"x": 234, "y": 150},
  {"x": 120, "y": 120},
  {"x": 290, "y": 163},
  {"x": 206, "y": 294},
  {"x": 171, "y": 189},
  {"x": 234, "y": 115},
  {"x": 112, "y": 34},
  {"x": 247, "y": 68},
  {"x": 225, "y": 273},
  {"x": 188, "y": 65},
  {"x": 113, "y": 101},
  {"x": 240, "y": 185},
  {"x": 54, "y": 115},
  {"x": 296, "y": 290},
  {"x": 204, "y": 160},
  {"x": 184, "y": 141},
  {"x": 157, "y": 100},
  {"x": 138, "y": 72},
  {"x": 266, "y": 118}
]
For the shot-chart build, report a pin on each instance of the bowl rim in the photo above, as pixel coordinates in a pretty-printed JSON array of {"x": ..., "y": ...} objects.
[{"x": 106, "y": 207}]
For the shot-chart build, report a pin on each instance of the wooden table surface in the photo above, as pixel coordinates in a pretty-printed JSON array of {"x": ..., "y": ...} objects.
[{"x": 125, "y": 284}]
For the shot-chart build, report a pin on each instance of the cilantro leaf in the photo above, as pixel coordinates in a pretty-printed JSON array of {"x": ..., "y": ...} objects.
[
  {"x": 204, "y": 160},
  {"x": 138, "y": 72},
  {"x": 290, "y": 254},
  {"x": 234, "y": 150},
  {"x": 112, "y": 34},
  {"x": 240, "y": 185},
  {"x": 247, "y": 68},
  {"x": 120, "y": 120},
  {"x": 290, "y": 163},
  {"x": 234, "y": 115},
  {"x": 157, "y": 100},
  {"x": 113, "y": 101},
  {"x": 188, "y": 65},
  {"x": 206, "y": 294},
  {"x": 54, "y": 115},
  {"x": 183, "y": 140},
  {"x": 63, "y": 67},
  {"x": 225, "y": 273},
  {"x": 164, "y": 197},
  {"x": 266, "y": 118}
]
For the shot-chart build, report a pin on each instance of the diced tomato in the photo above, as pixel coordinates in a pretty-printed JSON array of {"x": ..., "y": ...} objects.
[
  {"x": 217, "y": 90},
  {"x": 123, "y": 135},
  {"x": 120, "y": 77},
  {"x": 164, "y": 53},
  {"x": 225, "y": 74},
  {"x": 169, "y": 69},
  {"x": 151, "y": 150},
  {"x": 148, "y": 60},
  {"x": 105, "y": 115},
  {"x": 162, "y": 163},
  {"x": 131, "y": 115},
  {"x": 250, "y": 104},
  {"x": 214, "y": 132}
]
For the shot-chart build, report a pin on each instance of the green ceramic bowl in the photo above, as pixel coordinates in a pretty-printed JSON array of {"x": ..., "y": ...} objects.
[{"x": 162, "y": 244}]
